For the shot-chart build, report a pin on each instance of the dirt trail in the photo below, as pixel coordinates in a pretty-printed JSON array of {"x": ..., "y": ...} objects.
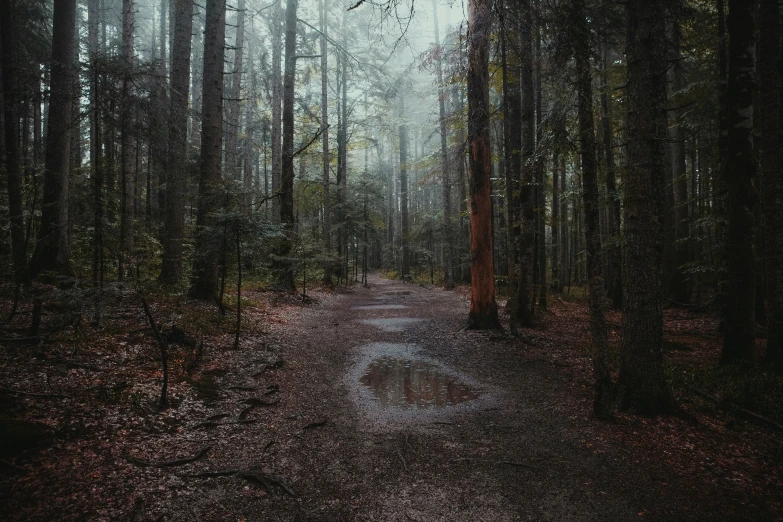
[
  {"x": 384, "y": 409},
  {"x": 516, "y": 452}
]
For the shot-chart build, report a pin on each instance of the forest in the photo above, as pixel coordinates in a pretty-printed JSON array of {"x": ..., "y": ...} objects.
[{"x": 391, "y": 260}]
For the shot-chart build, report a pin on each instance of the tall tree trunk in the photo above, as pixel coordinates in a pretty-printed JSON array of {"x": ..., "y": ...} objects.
[
  {"x": 602, "y": 404},
  {"x": 527, "y": 212},
  {"x": 738, "y": 173},
  {"x": 444, "y": 158},
  {"x": 679, "y": 289},
  {"x": 769, "y": 63},
  {"x": 178, "y": 120},
  {"x": 96, "y": 153},
  {"x": 204, "y": 282},
  {"x": 11, "y": 103},
  {"x": 404, "y": 230},
  {"x": 556, "y": 220},
  {"x": 564, "y": 251},
  {"x": 286, "y": 276},
  {"x": 540, "y": 171},
  {"x": 277, "y": 100},
  {"x": 52, "y": 250},
  {"x": 483, "y": 308},
  {"x": 128, "y": 164},
  {"x": 510, "y": 99},
  {"x": 615, "y": 282},
  {"x": 325, "y": 142},
  {"x": 248, "y": 185},
  {"x": 196, "y": 82},
  {"x": 232, "y": 125},
  {"x": 641, "y": 363}
]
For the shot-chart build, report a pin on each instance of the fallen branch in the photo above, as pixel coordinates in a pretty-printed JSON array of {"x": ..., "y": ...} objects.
[
  {"x": 769, "y": 422},
  {"x": 268, "y": 482},
  {"x": 168, "y": 463},
  {"x": 501, "y": 463},
  {"x": 14, "y": 466}
]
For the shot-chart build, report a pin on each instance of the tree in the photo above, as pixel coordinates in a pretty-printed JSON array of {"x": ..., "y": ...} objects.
[
  {"x": 769, "y": 63},
  {"x": 128, "y": 158},
  {"x": 483, "y": 308},
  {"x": 325, "y": 141},
  {"x": 204, "y": 283},
  {"x": 52, "y": 250},
  {"x": 286, "y": 276},
  {"x": 641, "y": 362},
  {"x": 580, "y": 39},
  {"x": 739, "y": 169},
  {"x": 178, "y": 128},
  {"x": 444, "y": 157},
  {"x": 524, "y": 307},
  {"x": 11, "y": 102},
  {"x": 405, "y": 230}
]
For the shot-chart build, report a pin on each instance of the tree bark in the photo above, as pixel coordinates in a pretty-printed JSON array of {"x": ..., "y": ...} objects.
[
  {"x": 769, "y": 63},
  {"x": 325, "y": 143},
  {"x": 641, "y": 362},
  {"x": 444, "y": 158},
  {"x": 404, "y": 229},
  {"x": 204, "y": 283},
  {"x": 286, "y": 276},
  {"x": 178, "y": 121},
  {"x": 679, "y": 289},
  {"x": 232, "y": 123},
  {"x": 128, "y": 163},
  {"x": 738, "y": 173},
  {"x": 96, "y": 153},
  {"x": 602, "y": 403},
  {"x": 483, "y": 308},
  {"x": 11, "y": 103},
  {"x": 277, "y": 100},
  {"x": 52, "y": 250},
  {"x": 527, "y": 212},
  {"x": 615, "y": 285}
]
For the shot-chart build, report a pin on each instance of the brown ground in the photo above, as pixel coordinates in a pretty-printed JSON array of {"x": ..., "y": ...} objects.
[{"x": 526, "y": 449}]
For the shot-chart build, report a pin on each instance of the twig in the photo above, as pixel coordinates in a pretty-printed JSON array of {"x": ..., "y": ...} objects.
[
  {"x": 268, "y": 482},
  {"x": 317, "y": 424},
  {"x": 168, "y": 463}
]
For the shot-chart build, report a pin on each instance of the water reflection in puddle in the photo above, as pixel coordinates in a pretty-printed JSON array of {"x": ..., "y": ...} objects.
[{"x": 413, "y": 383}]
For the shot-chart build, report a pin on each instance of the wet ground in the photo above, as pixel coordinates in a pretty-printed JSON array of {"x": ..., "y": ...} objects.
[{"x": 422, "y": 421}]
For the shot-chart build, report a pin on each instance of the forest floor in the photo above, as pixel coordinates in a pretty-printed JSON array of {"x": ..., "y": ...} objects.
[{"x": 362, "y": 404}]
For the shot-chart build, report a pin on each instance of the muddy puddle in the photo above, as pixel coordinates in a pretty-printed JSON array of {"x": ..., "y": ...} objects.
[
  {"x": 413, "y": 383},
  {"x": 392, "y": 324}
]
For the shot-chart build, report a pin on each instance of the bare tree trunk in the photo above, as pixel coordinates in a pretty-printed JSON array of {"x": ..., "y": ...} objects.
[
  {"x": 232, "y": 123},
  {"x": 769, "y": 61},
  {"x": 641, "y": 363},
  {"x": 602, "y": 404},
  {"x": 96, "y": 154},
  {"x": 178, "y": 119},
  {"x": 540, "y": 171},
  {"x": 286, "y": 275},
  {"x": 483, "y": 308},
  {"x": 52, "y": 251},
  {"x": 404, "y": 232},
  {"x": 444, "y": 158},
  {"x": 277, "y": 100},
  {"x": 738, "y": 172},
  {"x": 511, "y": 150},
  {"x": 680, "y": 284},
  {"x": 204, "y": 283},
  {"x": 325, "y": 143},
  {"x": 613, "y": 219},
  {"x": 11, "y": 102},
  {"x": 527, "y": 212}
]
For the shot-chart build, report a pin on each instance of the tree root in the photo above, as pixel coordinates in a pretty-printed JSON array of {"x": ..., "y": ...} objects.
[
  {"x": 168, "y": 463},
  {"x": 743, "y": 411}
]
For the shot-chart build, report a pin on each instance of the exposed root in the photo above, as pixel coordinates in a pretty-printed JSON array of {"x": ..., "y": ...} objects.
[{"x": 168, "y": 463}]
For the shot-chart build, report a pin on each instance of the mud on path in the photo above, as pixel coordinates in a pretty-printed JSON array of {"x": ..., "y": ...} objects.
[
  {"x": 517, "y": 451},
  {"x": 383, "y": 409}
]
